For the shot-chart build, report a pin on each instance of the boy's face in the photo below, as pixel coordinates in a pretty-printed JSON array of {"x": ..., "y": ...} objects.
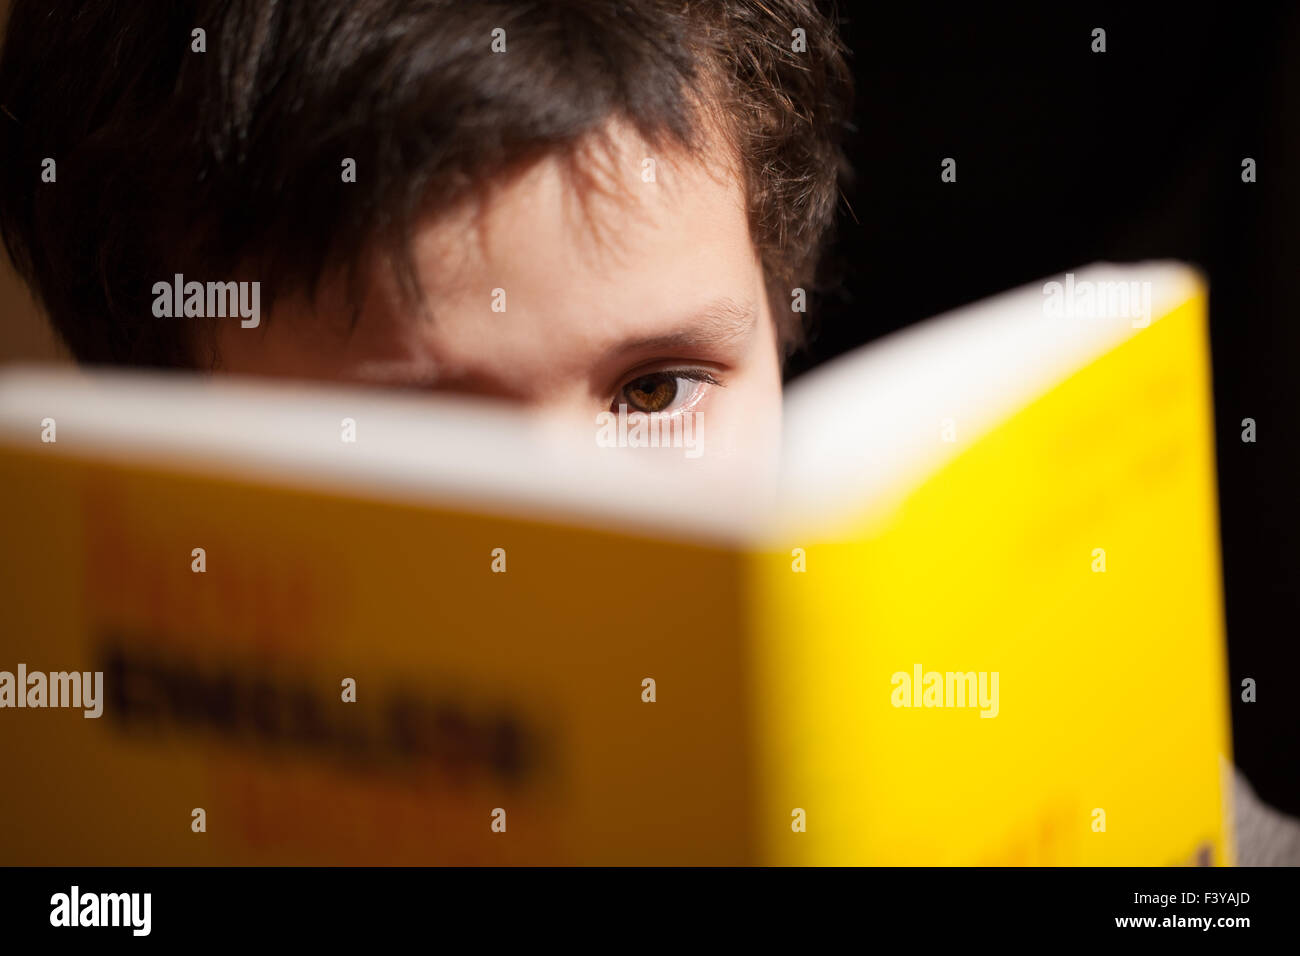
[{"x": 568, "y": 300}]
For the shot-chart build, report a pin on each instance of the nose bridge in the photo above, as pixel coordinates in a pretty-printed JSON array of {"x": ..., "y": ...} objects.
[
  {"x": 570, "y": 405},
  {"x": 546, "y": 380},
  {"x": 536, "y": 354}
]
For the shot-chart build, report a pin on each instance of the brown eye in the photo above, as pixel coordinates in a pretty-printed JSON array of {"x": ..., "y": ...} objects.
[{"x": 651, "y": 393}]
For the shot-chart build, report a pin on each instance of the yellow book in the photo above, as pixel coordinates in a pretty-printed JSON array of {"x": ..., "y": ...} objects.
[{"x": 982, "y": 623}]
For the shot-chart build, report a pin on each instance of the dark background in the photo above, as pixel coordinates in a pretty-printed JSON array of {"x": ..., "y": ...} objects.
[{"x": 1065, "y": 157}]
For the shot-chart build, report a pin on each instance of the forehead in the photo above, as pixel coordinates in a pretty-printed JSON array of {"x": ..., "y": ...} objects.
[{"x": 608, "y": 243}]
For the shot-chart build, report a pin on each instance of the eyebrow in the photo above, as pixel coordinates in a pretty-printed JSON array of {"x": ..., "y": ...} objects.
[
  {"x": 719, "y": 323},
  {"x": 398, "y": 373}
]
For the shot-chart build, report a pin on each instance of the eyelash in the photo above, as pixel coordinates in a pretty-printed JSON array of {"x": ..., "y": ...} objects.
[{"x": 698, "y": 375}]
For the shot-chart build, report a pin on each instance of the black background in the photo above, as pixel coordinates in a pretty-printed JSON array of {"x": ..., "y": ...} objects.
[
  {"x": 353, "y": 908},
  {"x": 1066, "y": 157}
]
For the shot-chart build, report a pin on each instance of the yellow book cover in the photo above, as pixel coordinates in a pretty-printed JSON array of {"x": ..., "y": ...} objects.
[{"x": 980, "y": 623}]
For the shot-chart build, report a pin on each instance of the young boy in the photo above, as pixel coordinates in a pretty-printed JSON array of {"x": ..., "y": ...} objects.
[{"x": 575, "y": 205}]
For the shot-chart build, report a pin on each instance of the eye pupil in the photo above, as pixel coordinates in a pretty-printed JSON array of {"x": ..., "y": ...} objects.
[{"x": 652, "y": 393}]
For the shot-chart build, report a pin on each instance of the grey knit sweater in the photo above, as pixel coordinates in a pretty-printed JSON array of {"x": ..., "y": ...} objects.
[{"x": 1265, "y": 837}]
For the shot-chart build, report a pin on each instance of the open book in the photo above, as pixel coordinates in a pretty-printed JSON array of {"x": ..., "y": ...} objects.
[{"x": 981, "y": 623}]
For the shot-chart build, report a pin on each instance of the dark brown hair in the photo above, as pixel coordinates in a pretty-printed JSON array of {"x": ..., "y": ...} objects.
[{"x": 227, "y": 162}]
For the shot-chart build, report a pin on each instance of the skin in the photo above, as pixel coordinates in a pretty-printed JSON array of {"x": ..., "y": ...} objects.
[{"x": 605, "y": 285}]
